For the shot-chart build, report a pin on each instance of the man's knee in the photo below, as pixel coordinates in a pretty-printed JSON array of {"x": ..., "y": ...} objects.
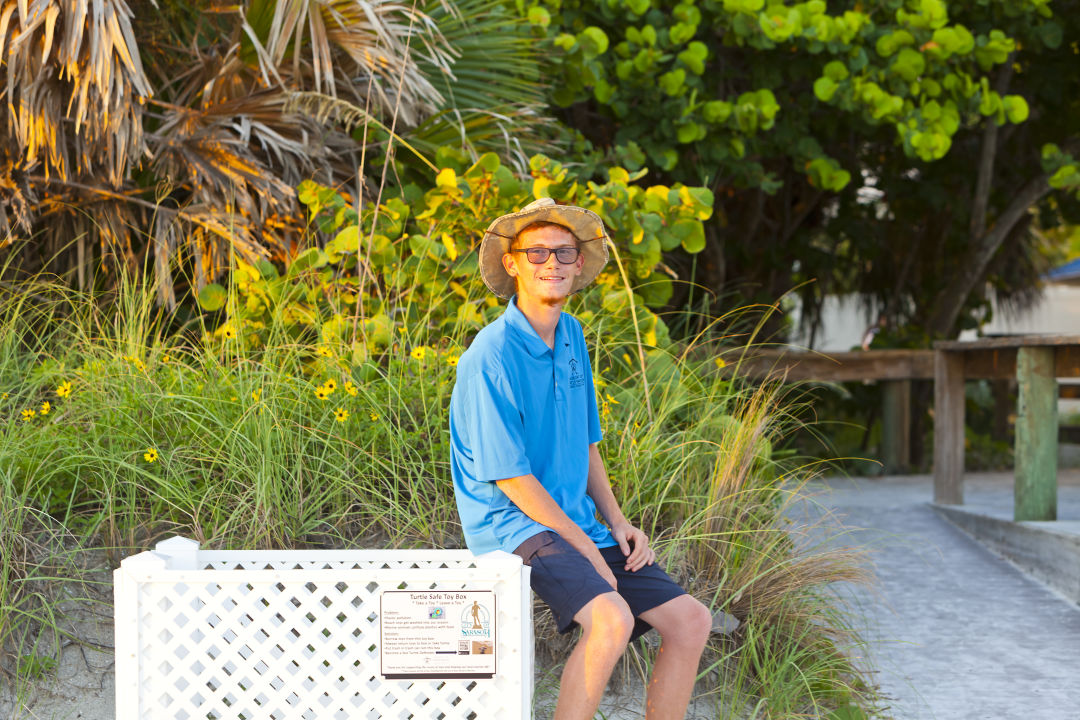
[
  {"x": 607, "y": 617},
  {"x": 684, "y": 621}
]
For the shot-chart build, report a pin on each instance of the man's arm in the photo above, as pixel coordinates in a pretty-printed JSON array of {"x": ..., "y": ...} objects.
[
  {"x": 535, "y": 501},
  {"x": 633, "y": 542}
]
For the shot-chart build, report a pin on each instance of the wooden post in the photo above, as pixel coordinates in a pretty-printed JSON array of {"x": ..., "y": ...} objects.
[
  {"x": 948, "y": 427},
  {"x": 896, "y": 425},
  {"x": 1036, "y": 435}
]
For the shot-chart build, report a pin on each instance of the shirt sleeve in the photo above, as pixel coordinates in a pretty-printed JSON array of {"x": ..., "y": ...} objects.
[{"x": 495, "y": 428}]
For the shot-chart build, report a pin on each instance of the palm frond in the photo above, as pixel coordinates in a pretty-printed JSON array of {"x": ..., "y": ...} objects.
[
  {"x": 89, "y": 74},
  {"x": 318, "y": 45}
]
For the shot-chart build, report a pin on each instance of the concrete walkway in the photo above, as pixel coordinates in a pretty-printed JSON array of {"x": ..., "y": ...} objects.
[{"x": 957, "y": 633}]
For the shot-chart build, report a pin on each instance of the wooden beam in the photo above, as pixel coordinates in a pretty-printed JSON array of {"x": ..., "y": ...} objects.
[
  {"x": 1036, "y": 436},
  {"x": 837, "y": 367},
  {"x": 896, "y": 425},
  {"x": 948, "y": 428}
]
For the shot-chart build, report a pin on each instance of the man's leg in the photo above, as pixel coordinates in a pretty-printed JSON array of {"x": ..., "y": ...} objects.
[
  {"x": 684, "y": 625},
  {"x": 606, "y": 624}
]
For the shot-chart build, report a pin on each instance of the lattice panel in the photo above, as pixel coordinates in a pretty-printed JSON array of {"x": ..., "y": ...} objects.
[{"x": 296, "y": 637}]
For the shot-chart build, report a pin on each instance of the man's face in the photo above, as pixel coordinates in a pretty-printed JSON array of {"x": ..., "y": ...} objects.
[{"x": 549, "y": 282}]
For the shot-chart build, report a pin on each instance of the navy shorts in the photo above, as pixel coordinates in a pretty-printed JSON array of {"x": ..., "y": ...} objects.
[{"x": 567, "y": 581}]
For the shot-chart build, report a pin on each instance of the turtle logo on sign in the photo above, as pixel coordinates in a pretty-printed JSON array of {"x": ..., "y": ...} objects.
[{"x": 476, "y": 621}]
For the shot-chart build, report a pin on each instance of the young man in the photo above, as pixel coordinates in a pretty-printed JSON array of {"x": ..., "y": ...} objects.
[{"x": 527, "y": 471}]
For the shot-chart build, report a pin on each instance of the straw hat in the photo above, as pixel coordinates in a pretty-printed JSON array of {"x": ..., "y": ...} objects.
[{"x": 585, "y": 224}]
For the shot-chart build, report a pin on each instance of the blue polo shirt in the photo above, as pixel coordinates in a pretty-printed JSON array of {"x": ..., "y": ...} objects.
[{"x": 520, "y": 407}]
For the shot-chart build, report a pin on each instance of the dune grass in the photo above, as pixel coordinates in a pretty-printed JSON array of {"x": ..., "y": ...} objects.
[{"x": 141, "y": 429}]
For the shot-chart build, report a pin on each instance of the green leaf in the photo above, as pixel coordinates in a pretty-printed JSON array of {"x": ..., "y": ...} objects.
[
  {"x": 539, "y": 16},
  {"x": 691, "y": 234},
  {"x": 688, "y": 132},
  {"x": 716, "y": 111},
  {"x": 889, "y": 43},
  {"x": 638, "y": 7},
  {"x": 825, "y": 88},
  {"x": 1016, "y": 108},
  {"x": 673, "y": 82},
  {"x": 694, "y": 57},
  {"x": 593, "y": 42},
  {"x": 836, "y": 70},
  {"x": 1051, "y": 34},
  {"x": 565, "y": 41},
  {"x": 310, "y": 259},
  {"x": 909, "y": 64},
  {"x": 344, "y": 242},
  {"x": 212, "y": 297}
]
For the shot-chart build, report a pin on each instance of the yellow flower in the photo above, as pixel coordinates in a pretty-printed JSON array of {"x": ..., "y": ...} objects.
[
  {"x": 135, "y": 361},
  {"x": 45, "y": 408},
  {"x": 419, "y": 353},
  {"x": 350, "y": 388},
  {"x": 325, "y": 352},
  {"x": 452, "y": 360},
  {"x": 165, "y": 359},
  {"x": 63, "y": 391},
  {"x": 610, "y": 399},
  {"x": 373, "y": 415},
  {"x": 322, "y": 393},
  {"x": 341, "y": 415},
  {"x": 330, "y": 386},
  {"x": 28, "y": 415},
  {"x": 4, "y": 396},
  {"x": 720, "y": 363},
  {"x": 255, "y": 395},
  {"x": 229, "y": 332},
  {"x": 150, "y": 455},
  {"x": 401, "y": 331}
]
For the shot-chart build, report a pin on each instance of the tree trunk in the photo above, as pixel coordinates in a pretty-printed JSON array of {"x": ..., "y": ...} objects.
[{"x": 950, "y": 301}]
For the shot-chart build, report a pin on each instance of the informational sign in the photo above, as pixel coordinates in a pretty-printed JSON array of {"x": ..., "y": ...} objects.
[{"x": 435, "y": 634}]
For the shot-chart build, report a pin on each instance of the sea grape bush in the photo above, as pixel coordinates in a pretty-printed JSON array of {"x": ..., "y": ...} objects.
[{"x": 673, "y": 79}]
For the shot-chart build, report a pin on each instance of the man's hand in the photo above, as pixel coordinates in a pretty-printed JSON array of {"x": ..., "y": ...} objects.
[{"x": 634, "y": 545}]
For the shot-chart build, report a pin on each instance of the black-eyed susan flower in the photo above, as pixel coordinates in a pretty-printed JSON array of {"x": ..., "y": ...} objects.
[
  {"x": 720, "y": 363},
  {"x": 325, "y": 352},
  {"x": 64, "y": 389},
  {"x": 150, "y": 455},
  {"x": 452, "y": 360},
  {"x": 322, "y": 393},
  {"x": 229, "y": 332},
  {"x": 330, "y": 386},
  {"x": 28, "y": 415},
  {"x": 374, "y": 416},
  {"x": 419, "y": 352},
  {"x": 349, "y": 388},
  {"x": 45, "y": 408},
  {"x": 341, "y": 414}
]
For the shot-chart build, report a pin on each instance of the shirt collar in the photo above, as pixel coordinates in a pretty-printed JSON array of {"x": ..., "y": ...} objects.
[{"x": 517, "y": 320}]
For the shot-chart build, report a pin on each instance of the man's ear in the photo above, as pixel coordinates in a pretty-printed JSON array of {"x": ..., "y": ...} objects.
[{"x": 509, "y": 265}]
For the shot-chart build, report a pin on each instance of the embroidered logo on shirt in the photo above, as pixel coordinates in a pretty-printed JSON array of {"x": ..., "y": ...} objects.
[{"x": 577, "y": 378}]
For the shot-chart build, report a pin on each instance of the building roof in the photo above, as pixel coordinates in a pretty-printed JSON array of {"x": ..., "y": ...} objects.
[{"x": 1067, "y": 273}]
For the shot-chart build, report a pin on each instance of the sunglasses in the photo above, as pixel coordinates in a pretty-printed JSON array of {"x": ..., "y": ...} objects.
[{"x": 540, "y": 255}]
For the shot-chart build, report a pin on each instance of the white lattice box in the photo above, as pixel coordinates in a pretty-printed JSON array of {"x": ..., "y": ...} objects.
[{"x": 275, "y": 635}]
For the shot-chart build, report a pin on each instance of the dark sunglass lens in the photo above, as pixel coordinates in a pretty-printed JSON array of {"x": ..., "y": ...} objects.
[{"x": 540, "y": 255}]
